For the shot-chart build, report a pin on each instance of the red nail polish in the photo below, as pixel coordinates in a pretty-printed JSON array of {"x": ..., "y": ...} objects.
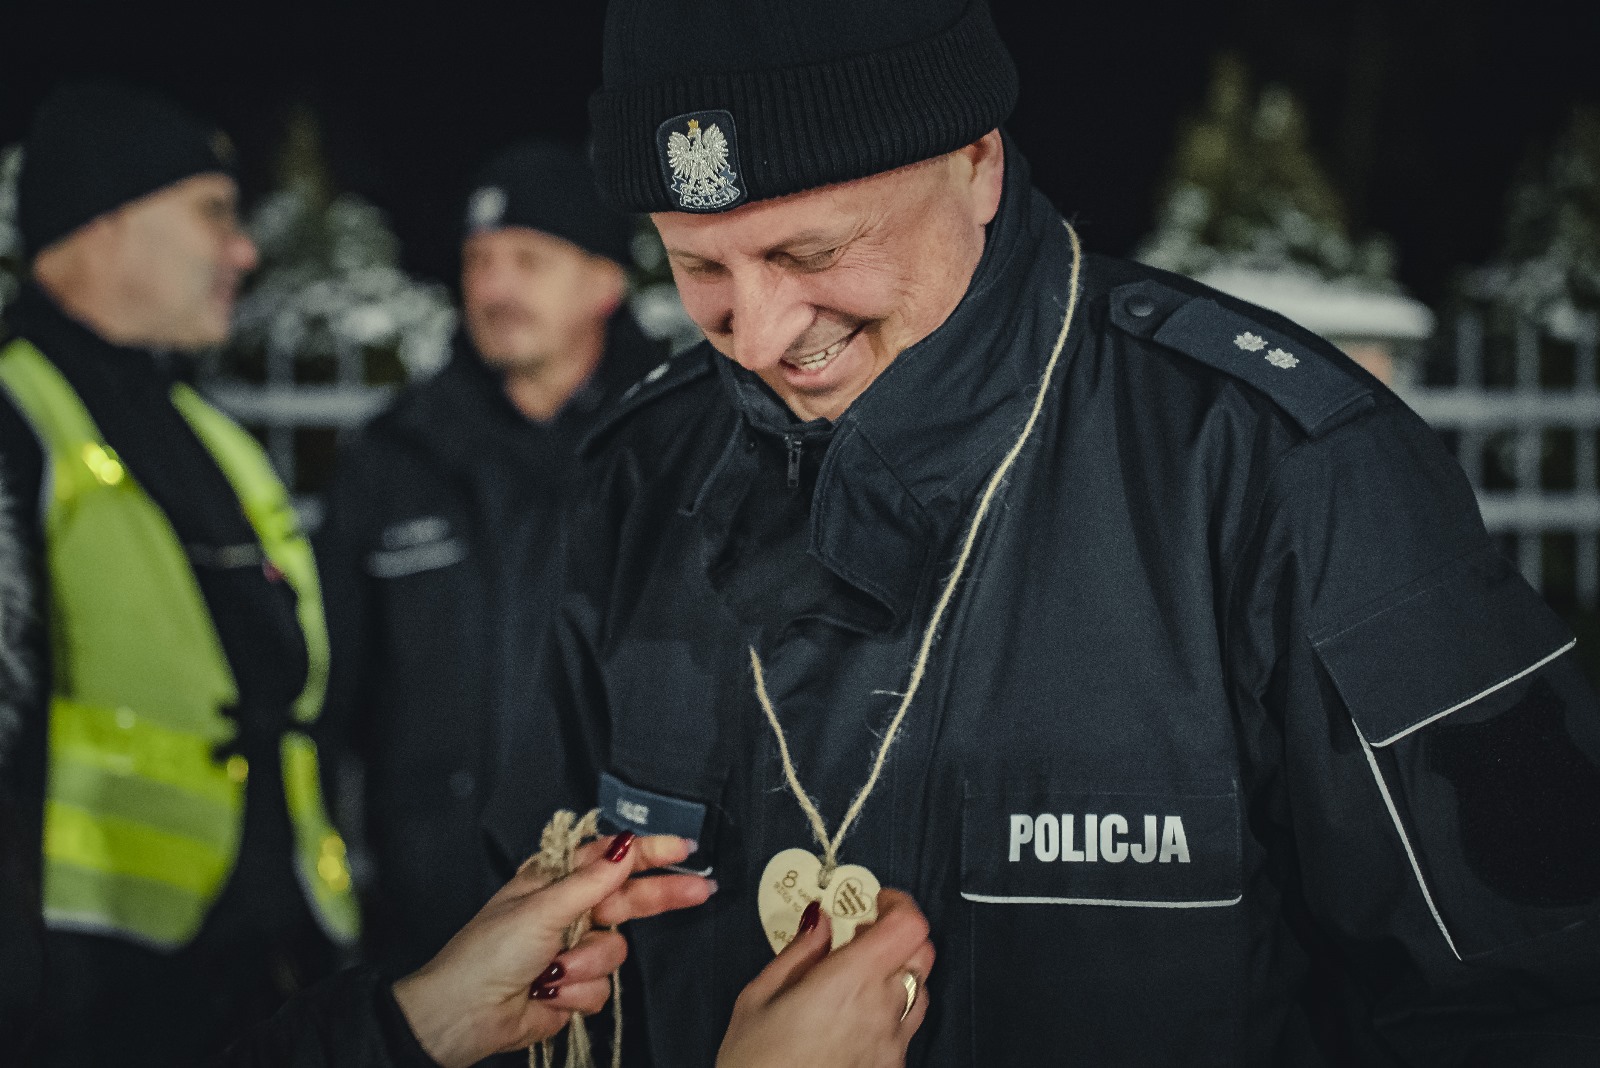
[
  {"x": 545, "y": 993},
  {"x": 619, "y": 846},
  {"x": 553, "y": 974},
  {"x": 810, "y": 918}
]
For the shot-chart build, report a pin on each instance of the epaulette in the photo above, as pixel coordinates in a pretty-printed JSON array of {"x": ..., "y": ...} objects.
[
  {"x": 662, "y": 379},
  {"x": 1290, "y": 365}
]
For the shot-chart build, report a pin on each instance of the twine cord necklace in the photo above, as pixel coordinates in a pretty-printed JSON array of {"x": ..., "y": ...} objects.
[
  {"x": 819, "y": 829},
  {"x": 556, "y": 859}
]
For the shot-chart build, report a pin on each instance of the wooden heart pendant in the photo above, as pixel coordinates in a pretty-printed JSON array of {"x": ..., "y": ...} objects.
[{"x": 789, "y": 884}]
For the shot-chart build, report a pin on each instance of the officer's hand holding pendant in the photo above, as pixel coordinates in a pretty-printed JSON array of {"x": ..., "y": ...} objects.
[{"x": 852, "y": 1007}]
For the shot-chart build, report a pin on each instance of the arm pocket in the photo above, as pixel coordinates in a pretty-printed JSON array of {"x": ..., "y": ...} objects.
[{"x": 1480, "y": 735}]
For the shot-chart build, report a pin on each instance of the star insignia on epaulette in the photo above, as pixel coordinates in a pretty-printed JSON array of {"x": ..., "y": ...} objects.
[
  {"x": 1250, "y": 342},
  {"x": 1280, "y": 358}
]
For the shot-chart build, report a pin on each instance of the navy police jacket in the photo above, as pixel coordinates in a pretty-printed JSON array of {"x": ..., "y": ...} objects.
[{"x": 1240, "y": 744}]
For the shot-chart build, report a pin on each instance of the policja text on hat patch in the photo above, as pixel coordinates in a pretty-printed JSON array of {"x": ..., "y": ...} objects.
[{"x": 697, "y": 154}]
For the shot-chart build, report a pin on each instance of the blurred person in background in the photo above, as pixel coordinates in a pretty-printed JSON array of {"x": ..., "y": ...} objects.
[
  {"x": 164, "y": 769},
  {"x": 442, "y": 533}
]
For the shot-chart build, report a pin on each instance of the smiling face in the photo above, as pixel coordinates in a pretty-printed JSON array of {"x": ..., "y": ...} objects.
[{"x": 817, "y": 292}]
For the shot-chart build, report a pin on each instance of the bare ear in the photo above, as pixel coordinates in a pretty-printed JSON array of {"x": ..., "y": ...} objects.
[
  {"x": 608, "y": 286},
  {"x": 987, "y": 159},
  {"x": 70, "y": 266}
]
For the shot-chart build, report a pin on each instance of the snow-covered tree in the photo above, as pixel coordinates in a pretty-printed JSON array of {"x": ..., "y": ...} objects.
[
  {"x": 654, "y": 301},
  {"x": 10, "y": 238},
  {"x": 1548, "y": 269},
  {"x": 330, "y": 284},
  {"x": 1250, "y": 211},
  {"x": 1245, "y": 191}
]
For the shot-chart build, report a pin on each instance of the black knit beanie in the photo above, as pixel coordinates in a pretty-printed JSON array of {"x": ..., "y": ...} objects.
[
  {"x": 549, "y": 187},
  {"x": 710, "y": 104},
  {"x": 95, "y": 146}
]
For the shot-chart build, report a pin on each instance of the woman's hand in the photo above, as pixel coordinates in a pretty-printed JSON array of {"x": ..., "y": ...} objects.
[
  {"x": 842, "y": 1009},
  {"x": 503, "y": 982}
]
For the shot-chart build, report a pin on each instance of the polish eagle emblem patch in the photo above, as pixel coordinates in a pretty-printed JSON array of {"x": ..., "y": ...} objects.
[
  {"x": 698, "y": 152},
  {"x": 485, "y": 208}
]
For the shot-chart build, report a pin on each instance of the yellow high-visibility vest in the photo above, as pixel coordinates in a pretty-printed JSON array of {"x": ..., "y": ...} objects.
[{"x": 142, "y": 818}]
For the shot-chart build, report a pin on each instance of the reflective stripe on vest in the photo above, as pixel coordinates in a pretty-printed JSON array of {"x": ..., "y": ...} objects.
[{"x": 142, "y": 820}]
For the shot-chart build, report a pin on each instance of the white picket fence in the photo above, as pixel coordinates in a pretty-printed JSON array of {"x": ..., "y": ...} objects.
[{"x": 1515, "y": 426}]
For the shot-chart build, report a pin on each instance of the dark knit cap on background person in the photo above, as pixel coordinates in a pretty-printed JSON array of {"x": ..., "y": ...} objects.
[
  {"x": 548, "y": 187},
  {"x": 709, "y": 104},
  {"x": 97, "y": 145}
]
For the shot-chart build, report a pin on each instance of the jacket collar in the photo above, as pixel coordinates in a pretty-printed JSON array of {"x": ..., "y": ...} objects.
[
  {"x": 470, "y": 416},
  {"x": 90, "y": 362},
  {"x": 906, "y": 458}
]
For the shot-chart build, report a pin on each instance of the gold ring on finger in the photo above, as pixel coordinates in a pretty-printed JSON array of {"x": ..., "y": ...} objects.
[{"x": 910, "y": 982}]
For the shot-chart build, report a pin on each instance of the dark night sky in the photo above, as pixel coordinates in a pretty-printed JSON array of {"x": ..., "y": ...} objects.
[{"x": 1421, "y": 108}]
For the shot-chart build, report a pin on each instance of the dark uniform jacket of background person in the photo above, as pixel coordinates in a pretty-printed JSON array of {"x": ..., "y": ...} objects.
[
  {"x": 1247, "y": 600},
  {"x": 350, "y": 1020},
  {"x": 439, "y": 554},
  {"x": 21, "y": 929},
  {"x": 107, "y": 998}
]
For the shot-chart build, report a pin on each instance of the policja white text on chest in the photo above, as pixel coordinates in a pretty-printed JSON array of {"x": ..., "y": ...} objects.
[{"x": 1104, "y": 838}]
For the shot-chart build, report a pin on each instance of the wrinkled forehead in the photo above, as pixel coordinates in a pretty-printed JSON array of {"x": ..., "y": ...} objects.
[
  {"x": 178, "y": 208},
  {"x": 526, "y": 240},
  {"x": 813, "y": 220},
  {"x": 209, "y": 187}
]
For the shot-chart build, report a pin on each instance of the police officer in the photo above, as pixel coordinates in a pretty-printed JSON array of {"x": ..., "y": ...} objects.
[
  {"x": 1154, "y": 648},
  {"x": 443, "y": 531},
  {"x": 165, "y": 764}
]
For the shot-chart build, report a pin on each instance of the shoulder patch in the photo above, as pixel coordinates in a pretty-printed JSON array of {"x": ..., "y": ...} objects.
[
  {"x": 1290, "y": 366},
  {"x": 662, "y": 379}
]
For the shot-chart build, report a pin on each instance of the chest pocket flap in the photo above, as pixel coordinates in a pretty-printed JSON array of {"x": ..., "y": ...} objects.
[
  {"x": 1042, "y": 844},
  {"x": 414, "y": 546}
]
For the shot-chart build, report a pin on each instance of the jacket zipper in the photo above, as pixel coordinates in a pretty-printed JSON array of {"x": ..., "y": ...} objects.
[{"x": 793, "y": 443}]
